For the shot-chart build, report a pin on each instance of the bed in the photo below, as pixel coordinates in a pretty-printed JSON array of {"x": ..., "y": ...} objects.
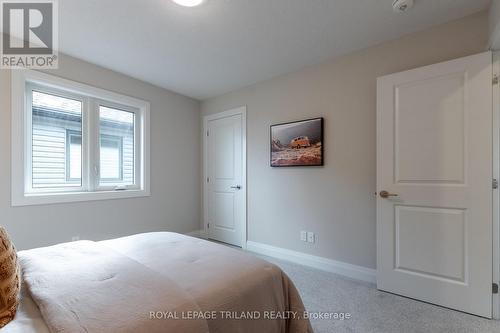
[{"x": 154, "y": 282}]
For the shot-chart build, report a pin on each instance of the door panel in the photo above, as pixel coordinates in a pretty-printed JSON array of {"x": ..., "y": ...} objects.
[
  {"x": 434, "y": 151},
  {"x": 437, "y": 233},
  {"x": 225, "y": 172},
  {"x": 224, "y": 211},
  {"x": 429, "y": 123},
  {"x": 225, "y": 151}
]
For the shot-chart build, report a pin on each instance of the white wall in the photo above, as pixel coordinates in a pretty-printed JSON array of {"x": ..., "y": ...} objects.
[
  {"x": 175, "y": 165},
  {"x": 335, "y": 201},
  {"x": 494, "y": 25}
]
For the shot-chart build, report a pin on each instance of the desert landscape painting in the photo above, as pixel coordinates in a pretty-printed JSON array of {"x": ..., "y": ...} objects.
[{"x": 297, "y": 143}]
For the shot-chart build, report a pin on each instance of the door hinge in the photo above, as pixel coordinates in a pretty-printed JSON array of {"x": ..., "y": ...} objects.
[
  {"x": 495, "y": 79},
  {"x": 208, "y": 180},
  {"x": 495, "y": 183},
  {"x": 495, "y": 288},
  {"x": 208, "y": 133},
  {"x": 208, "y": 225}
]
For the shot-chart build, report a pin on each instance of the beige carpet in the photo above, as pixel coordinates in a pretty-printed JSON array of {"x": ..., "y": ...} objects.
[{"x": 372, "y": 310}]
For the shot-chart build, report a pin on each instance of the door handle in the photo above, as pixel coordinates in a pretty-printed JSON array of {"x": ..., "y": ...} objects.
[
  {"x": 237, "y": 187},
  {"x": 385, "y": 194}
]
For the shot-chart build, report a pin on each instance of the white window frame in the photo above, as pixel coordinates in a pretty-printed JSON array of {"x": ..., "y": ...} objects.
[
  {"x": 28, "y": 138},
  {"x": 137, "y": 143},
  {"x": 23, "y": 194}
]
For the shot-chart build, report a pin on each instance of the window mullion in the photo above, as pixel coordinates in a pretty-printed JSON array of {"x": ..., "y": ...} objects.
[
  {"x": 138, "y": 149},
  {"x": 28, "y": 140},
  {"x": 91, "y": 145},
  {"x": 85, "y": 145}
]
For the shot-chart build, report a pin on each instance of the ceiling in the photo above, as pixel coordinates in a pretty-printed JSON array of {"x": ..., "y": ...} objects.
[{"x": 224, "y": 45}]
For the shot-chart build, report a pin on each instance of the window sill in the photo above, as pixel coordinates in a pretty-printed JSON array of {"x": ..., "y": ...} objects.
[{"x": 57, "y": 198}]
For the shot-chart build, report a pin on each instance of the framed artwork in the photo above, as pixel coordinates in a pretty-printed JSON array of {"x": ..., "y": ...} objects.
[{"x": 298, "y": 143}]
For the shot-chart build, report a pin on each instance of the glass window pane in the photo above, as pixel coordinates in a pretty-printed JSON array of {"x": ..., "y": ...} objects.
[
  {"x": 117, "y": 162},
  {"x": 55, "y": 164},
  {"x": 75, "y": 156},
  {"x": 111, "y": 154}
]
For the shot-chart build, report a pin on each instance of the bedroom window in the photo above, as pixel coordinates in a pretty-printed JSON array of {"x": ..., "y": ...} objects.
[{"x": 73, "y": 142}]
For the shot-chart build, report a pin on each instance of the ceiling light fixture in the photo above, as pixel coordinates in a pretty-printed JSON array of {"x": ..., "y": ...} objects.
[{"x": 189, "y": 3}]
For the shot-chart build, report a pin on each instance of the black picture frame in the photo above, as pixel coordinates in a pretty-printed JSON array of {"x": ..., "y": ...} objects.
[{"x": 285, "y": 155}]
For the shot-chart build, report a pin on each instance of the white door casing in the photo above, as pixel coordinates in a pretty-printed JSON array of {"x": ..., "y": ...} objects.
[
  {"x": 225, "y": 177},
  {"x": 434, "y": 150},
  {"x": 496, "y": 175}
]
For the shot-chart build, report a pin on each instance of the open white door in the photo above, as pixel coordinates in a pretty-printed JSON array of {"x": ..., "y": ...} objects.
[
  {"x": 434, "y": 182},
  {"x": 225, "y": 213}
]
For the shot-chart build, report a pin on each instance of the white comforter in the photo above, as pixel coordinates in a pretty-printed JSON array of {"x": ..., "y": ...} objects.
[{"x": 208, "y": 276}]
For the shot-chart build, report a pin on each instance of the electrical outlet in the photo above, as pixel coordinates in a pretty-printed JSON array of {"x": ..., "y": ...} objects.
[
  {"x": 310, "y": 237},
  {"x": 75, "y": 238},
  {"x": 303, "y": 236}
]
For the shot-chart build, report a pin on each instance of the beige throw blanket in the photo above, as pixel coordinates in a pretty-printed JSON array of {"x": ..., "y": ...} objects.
[{"x": 160, "y": 282}]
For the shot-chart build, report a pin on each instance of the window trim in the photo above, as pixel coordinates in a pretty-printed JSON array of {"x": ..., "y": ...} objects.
[{"x": 20, "y": 105}]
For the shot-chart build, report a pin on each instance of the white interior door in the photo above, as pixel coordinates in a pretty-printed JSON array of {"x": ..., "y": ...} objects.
[
  {"x": 225, "y": 181},
  {"x": 434, "y": 151}
]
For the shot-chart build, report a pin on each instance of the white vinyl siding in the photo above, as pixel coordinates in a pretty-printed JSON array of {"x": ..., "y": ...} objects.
[
  {"x": 128, "y": 160},
  {"x": 49, "y": 154},
  {"x": 50, "y": 149},
  {"x": 116, "y": 127},
  {"x": 52, "y": 117},
  {"x": 73, "y": 156}
]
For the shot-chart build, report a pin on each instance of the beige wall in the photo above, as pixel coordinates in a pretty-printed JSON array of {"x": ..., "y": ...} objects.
[
  {"x": 335, "y": 201},
  {"x": 175, "y": 151},
  {"x": 494, "y": 25}
]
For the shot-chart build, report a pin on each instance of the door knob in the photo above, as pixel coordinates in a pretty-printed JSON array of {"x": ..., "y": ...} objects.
[
  {"x": 385, "y": 194},
  {"x": 237, "y": 187}
]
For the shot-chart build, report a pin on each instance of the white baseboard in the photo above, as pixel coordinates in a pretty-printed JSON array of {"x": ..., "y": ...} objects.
[
  {"x": 329, "y": 265},
  {"x": 197, "y": 233}
]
